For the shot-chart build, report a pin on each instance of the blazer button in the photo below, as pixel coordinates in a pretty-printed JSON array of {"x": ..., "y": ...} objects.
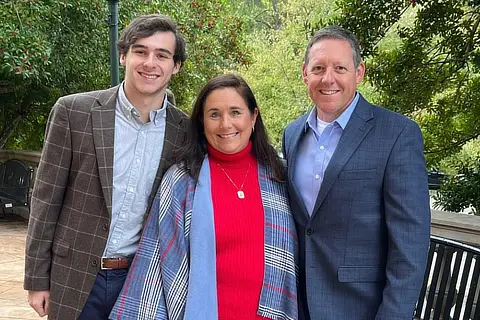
[
  {"x": 105, "y": 227},
  {"x": 94, "y": 262},
  {"x": 309, "y": 231}
]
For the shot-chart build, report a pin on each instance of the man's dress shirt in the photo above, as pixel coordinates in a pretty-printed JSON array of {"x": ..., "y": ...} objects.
[
  {"x": 137, "y": 152},
  {"x": 315, "y": 151}
]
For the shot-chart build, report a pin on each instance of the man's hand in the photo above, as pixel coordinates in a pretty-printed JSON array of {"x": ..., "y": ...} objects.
[{"x": 39, "y": 301}]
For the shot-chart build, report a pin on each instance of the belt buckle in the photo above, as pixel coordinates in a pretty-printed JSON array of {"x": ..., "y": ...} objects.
[{"x": 101, "y": 265}]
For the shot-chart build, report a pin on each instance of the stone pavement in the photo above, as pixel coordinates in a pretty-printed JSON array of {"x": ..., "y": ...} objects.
[{"x": 13, "y": 299}]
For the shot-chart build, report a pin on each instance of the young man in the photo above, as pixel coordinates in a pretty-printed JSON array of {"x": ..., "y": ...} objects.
[
  {"x": 358, "y": 191},
  {"x": 104, "y": 155}
]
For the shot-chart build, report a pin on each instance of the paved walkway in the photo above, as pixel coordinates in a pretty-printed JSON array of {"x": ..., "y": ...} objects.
[{"x": 13, "y": 299}]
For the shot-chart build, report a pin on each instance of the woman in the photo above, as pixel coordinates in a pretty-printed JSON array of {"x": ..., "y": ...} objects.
[{"x": 220, "y": 241}]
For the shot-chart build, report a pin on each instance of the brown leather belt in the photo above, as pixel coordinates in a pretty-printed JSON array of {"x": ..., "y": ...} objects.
[{"x": 115, "y": 263}]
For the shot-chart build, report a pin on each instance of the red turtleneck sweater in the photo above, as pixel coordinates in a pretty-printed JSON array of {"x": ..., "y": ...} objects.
[{"x": 239, "y": 234}]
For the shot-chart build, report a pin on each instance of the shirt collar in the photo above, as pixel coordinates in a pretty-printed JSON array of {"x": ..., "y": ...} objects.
[
  {"x": 342, "y": 120},
  {"x": 129, "y": 111}
]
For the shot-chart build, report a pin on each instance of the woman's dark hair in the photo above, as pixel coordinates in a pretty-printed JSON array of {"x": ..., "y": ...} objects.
[{"x": 191, "y": 155}]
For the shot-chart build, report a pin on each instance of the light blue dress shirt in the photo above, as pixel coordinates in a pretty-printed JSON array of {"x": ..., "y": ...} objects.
[
  {"x": 137, "y": 151},
  {"x": 315, "y": 151}
]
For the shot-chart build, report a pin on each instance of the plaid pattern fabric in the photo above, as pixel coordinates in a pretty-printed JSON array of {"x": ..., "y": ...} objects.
[
  {"x": 72, "y": 198},
  {"x": 158, "y": 280}
]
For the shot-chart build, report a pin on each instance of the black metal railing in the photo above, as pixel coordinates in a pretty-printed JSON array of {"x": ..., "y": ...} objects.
[{"x": 451, "y": 284}]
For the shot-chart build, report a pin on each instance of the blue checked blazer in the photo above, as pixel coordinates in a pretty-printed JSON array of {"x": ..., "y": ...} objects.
[
  {"x": 363, "y": 251},
  {"x": 173, "y": 274}
]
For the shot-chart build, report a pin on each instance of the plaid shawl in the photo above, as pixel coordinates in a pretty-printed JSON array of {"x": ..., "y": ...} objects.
[{"x": 173, "y": 276}]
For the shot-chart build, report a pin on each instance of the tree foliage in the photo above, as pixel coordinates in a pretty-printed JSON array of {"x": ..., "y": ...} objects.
[
  {"x": 461, "y": 188},
  {"x": 461, "y": 191},
  {"x": 431, "y": 73},
  {"x": 49, "y": 48}
]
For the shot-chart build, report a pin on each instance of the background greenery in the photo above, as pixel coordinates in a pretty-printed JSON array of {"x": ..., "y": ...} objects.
[{"x": 422, "y": 57}]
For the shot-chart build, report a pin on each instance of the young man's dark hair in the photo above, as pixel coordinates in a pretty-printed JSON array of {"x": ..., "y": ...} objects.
[{"x": 147, "y": 25}]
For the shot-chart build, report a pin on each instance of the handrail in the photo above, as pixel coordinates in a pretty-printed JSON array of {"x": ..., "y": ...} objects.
[{"x": 455, "y": 244}]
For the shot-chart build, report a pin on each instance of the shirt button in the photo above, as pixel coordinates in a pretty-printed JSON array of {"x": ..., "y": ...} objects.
[
  {"x": 122, "y": 215},
  {"x": 309, "y": 231},
  {"x": 138, "y": 160},
  {"x": 131, "y": 189},
  {"x": 317, "y": 176},
  {"x": 105, "y": 227},
  {"x": 322, "y": 147},
  {"x": 114, "y": 241}
]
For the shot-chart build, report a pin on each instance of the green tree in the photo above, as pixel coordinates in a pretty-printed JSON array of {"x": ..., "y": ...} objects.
[
  {"x": 461, "y": 191},
  {"x": 461, "y": 188}
]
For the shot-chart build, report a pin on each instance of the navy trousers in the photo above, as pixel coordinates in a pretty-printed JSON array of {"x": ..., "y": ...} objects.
[{"x": 105, "y": 291}]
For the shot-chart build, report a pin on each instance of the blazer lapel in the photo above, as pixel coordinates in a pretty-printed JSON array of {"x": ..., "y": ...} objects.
[
  {"x": 103, "y": 125},
  {"x": 298, "y": 133},
  {"x": 354, "y": 133},
  {"x": 172, "y": 127}
]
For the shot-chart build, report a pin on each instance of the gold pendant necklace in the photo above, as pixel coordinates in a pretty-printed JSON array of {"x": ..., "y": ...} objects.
[{"x": 240, "y": 193}]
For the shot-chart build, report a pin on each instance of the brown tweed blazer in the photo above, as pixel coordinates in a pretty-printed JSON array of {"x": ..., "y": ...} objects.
[{"x": 71, "y": 203}]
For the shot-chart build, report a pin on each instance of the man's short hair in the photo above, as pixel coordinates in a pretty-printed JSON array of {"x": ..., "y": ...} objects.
[
  {"x": 147, "y": 25},
  {"x": 338, "y": 33}
]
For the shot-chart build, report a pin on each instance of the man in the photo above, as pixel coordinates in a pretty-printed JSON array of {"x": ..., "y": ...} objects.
[
  {"x": 358, "y": 191},
  {"x": 104, "y": 155}
]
